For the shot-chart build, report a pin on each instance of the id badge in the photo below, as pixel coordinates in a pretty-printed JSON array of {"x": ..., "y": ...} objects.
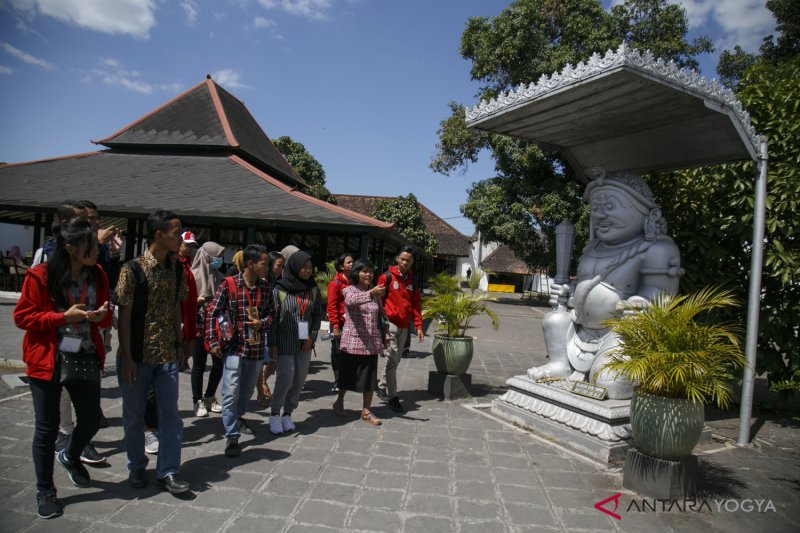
[
  {"x": 70, "y": 344},
  {"x": 302, "y": 331},
  {"x": 253, "y": 335}
]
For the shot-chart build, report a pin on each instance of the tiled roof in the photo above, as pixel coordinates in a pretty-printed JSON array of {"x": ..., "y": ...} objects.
[
  {"x": 450, "y": 240},
  {"x": 205, "y": 117},
  {"x": 199, "y": 184},
  {"x": 504, "y": 261}
]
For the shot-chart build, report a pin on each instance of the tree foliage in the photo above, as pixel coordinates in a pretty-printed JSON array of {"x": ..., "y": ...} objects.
[
  {"x": 533, "y": 191},
  {"x": 406, "y": 214},
  {"x": 306, "y": 166},
  {"x": 710, "y": 211}
]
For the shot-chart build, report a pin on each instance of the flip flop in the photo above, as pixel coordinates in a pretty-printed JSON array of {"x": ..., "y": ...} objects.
[{"x": 372, "y": 419}]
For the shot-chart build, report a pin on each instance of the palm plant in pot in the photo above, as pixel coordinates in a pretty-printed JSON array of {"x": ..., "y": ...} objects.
[
  {"x": 453, "y": 311},
  {"x": 678, "y": 360}
]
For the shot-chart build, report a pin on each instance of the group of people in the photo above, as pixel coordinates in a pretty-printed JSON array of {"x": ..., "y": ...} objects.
[{"x": 261, "y": 318}]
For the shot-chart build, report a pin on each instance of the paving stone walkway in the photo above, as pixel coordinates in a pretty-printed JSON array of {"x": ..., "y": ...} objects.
[{"x": 441, "y": 467}]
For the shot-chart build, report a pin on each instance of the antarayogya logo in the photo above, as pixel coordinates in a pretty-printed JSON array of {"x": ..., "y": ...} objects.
[{"x": 645, "y": 505}]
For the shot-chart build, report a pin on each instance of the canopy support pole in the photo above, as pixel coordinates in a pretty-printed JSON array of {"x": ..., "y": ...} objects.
[{"x": 754, "y": 298}]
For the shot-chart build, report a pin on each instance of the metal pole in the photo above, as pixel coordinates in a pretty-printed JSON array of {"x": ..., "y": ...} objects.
[{"x": 754, "y": 299}]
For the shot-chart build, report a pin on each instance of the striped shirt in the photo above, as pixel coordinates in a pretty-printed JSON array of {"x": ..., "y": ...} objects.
[{"x": 284, "y": 330}]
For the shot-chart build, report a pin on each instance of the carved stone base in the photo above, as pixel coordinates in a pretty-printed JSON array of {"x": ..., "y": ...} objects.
[
  {"x": 597, "y": 429},
  {"x": 659, "y": 479}
]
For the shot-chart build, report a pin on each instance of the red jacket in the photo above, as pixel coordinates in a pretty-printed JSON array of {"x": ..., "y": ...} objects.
[
  {"x": 336, "y": 300},
  {"x": 189, "y": 305},
  {"x": 36, "y": 314},
  {"x": 402, "y": 300}
]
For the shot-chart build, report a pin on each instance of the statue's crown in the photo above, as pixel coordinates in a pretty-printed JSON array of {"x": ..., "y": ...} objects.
[{"x": 630, "y": 183}]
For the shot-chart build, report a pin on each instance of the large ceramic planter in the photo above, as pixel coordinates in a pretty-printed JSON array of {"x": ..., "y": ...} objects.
[
  {"x": 452, "y": 355},
  {"x": 665, "y": 428}
]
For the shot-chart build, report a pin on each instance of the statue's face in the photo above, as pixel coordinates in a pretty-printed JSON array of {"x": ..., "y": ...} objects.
[{"x": 614, "y": 216}]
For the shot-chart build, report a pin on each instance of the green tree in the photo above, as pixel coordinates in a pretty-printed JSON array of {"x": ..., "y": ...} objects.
[
  {"x": 710, "y": 211},
  {"x": 405, "y": 212},
  {"x": 533, "y": 191},
  {"x": 307, "y": 166}
]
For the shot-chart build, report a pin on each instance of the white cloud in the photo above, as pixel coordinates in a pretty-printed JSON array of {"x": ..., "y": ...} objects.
[
  {"x": 219, "y": 16},
  {"x": 263, "y": 22},
  {"x": 111, "y": 72},
  {"x": 5, "y": 70},
  {"x": 26, "y": 57},
  {"x": 229, "y": 78},
  {"x": 312, "y": 9},
  {"x": 191, "y": 11},
  {"x": 127, "y": 17}
]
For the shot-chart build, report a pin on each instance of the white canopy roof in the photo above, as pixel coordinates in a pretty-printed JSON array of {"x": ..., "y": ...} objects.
[{"x": 625, "y": 111}]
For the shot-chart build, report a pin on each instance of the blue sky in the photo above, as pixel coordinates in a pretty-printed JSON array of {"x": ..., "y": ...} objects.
[{"x": 362, "y": 83}]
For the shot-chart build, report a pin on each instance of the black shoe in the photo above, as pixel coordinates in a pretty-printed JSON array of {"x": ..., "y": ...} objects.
[
  {"x": 103, "y": 421},
  {"x": 48, "y": 504},
  {"x": 137, "y": 478},
  {"x": 173, "y": 484},
  {"x": 62, "y": 441},
  {"x": 381, "y": 392},
  {"x": 244, "y": 429},
  {"x": 395, "y": 405},
  {"x": 232, "y": 448},
  {"x": 76, "y": 471},
  {"x": 91, "y": 456}
]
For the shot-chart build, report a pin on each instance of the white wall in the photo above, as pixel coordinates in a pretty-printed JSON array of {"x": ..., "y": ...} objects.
[{"x": 479, "y": 251}]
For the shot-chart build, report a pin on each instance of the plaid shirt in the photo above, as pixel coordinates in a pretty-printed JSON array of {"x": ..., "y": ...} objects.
[{"x": 261, "y": 296}]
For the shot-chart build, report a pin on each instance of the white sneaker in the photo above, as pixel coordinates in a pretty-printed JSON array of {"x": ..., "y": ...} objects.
[
  {"x": 275, "y": 425},
  {"x": 286, "y": 422},
  {"x": 151, "y": 442},
  {"x": 200, "y": 409},
  {"x": 213, "y": 405}
]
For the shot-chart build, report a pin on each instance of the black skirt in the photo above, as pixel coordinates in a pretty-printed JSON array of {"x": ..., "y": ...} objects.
[{"x": 358, "y": 373}]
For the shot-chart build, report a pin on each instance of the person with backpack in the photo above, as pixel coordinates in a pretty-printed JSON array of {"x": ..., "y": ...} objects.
[
  {"x": 67, "y": 210},
  {"x": 343, "y": 264},
  {"x": 207, "y": 276},
  {"x": 245, "y": 303},
  {"x": 298, "y": 315},
  {"x": 401, "y": 303},
  {"x": 62, "y": 307},
  {"x": 149, "y": 295}
]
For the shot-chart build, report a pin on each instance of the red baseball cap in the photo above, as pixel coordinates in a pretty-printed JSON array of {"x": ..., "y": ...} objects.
[{"x": 188, "y": 237}]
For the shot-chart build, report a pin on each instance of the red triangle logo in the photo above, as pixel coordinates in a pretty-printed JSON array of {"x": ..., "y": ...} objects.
[{"x": 615, "y": 498}]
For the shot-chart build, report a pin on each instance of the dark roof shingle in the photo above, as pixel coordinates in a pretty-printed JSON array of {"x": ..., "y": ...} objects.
[{"x": 504, "y": 261}]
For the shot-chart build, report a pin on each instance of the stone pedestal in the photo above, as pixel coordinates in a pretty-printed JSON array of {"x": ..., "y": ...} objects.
[
  {"x": 597, "y": 429},
  {"x": 659, "y": 479},
  {"x": 449, "y": 386}
]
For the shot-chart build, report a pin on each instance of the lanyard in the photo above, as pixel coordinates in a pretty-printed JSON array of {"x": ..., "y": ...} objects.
[
  {"x": 247, "y": 295},
  {"x": 302, "y": 305},
  {"x": 83, "y": 294}
]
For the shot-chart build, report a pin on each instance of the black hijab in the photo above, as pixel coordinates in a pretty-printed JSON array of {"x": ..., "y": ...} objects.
[{"x": 289, "y": 280}]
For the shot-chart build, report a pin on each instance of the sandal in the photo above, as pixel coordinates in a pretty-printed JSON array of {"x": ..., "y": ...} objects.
[
  {"x": 263, "y": 401},
  {"x": 338, "y": 408},
  {"x": 367, "y": 416}
]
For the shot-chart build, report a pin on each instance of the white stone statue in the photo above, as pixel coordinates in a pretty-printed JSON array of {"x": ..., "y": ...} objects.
[{"x": 628, "y": 260}]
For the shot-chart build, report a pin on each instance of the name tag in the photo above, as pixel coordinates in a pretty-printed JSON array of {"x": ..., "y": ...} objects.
[
  {"x": 70, "y": 344},
  {"x": 302, "y": 330}
]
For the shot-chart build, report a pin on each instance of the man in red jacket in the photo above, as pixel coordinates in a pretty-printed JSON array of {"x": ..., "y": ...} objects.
[{"x": 401, "y": 302}]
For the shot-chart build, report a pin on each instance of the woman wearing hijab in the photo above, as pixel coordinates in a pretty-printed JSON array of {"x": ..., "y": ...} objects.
[
  {"x": 238, "y": 264},
  {"x": 298, "y": 314},
  {"x": 207, "y": 277}
]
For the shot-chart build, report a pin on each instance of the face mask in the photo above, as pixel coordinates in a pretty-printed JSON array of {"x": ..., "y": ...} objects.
[{"x": 216, "y": 263}]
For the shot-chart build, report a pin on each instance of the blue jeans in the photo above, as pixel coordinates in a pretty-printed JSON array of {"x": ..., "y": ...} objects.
[
  {"x": 164, "y": 380},
  {"x": 239, "y": 377}
]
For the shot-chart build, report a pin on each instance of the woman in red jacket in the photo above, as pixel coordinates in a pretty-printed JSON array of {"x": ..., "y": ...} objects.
[
  {"x": 336, "y": 309},
  {"x": 63, "y": 307}
]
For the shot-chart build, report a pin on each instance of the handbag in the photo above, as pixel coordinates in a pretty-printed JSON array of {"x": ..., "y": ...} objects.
[{"x": 79, "y": 368}]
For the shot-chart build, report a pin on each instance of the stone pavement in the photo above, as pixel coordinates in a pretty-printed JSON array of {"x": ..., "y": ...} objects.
[{"x": 441, "y": 467}]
